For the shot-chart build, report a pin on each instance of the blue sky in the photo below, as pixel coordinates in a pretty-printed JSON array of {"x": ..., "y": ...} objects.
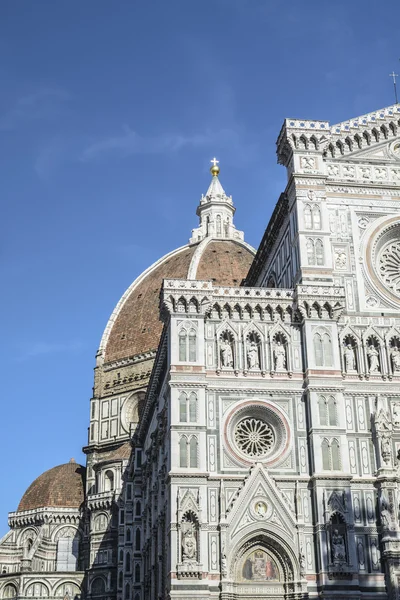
[{"x": 109, "y": 115}]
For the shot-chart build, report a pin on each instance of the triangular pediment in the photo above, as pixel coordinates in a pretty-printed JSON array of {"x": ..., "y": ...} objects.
[{"x": 261, "y": 504}]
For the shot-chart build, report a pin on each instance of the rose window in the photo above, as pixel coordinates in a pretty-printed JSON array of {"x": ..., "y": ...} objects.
[
  {"x": 389, "y": 266},
  {"x": 254, "y": 437}
]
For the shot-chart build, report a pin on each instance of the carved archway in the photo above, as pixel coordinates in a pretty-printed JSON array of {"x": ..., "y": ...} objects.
[{"x": 265, "y": 568}]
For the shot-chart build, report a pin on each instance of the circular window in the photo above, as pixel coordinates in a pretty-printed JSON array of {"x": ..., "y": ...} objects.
[
  {"x": 382, "y": 257},
  {"x": 389, "y": 266},
  {"x": 257, "y": 431},
  {"x": 254, "y": 437}
]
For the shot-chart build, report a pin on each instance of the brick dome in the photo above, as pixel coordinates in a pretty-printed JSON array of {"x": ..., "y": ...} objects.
[
  {"x": 135, "y": 327},
  {"x": 62, "y": 486}
]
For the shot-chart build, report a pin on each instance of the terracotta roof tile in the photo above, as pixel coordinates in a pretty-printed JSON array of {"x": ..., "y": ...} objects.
[{"x": 62, "y": 486}]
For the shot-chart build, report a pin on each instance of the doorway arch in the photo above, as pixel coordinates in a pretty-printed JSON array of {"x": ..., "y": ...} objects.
[{"x": 265, "y": 567}]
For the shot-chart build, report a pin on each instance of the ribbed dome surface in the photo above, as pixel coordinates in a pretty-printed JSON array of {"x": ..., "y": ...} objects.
[
  {"x": 62, "y": 486},
  {"x": 135, "y": 327}
]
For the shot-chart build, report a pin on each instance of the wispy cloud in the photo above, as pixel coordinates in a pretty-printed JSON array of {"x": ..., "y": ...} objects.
[
  {"x": 45, "y": 103},
  {"x": 129, "y": 142},
  {"x": 36, "y": 349}
]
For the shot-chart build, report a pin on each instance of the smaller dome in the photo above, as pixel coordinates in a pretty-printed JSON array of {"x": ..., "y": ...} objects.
[{"x": 62, "y": 486}]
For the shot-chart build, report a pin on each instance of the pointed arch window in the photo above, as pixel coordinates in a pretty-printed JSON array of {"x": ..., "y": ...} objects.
[
  {"x": 331, "y": 459},
  {"x": 188, "y": 452},
  {"x": 219, "y": 225},
  {"x": 328, "y": 411},
  {"x": 138, "y": 540},
  {"x": 188, "y": 407},
  {"x": 193, "y": 452},
  {"x": 319, "y": 252},
  {"x": 183, "y": 452},
  {"x": 187, "y": 345},
  {"x": 335, "y": 455},
  {"x": 323, "y": 349},
  {"x": 316, "y": 217},
  {"x": 308, "y": 217},
  {"x": 319, "y": 350},
  {"x": 310, "y": 251},
  {"x": 127, "y": 591}
]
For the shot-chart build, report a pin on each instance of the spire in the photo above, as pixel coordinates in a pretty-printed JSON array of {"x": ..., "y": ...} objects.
[{"x": 216, "y": 212}]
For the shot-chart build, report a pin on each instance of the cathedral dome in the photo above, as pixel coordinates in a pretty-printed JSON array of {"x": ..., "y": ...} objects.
[
  {"x": 134, "y": 327},
  {"x": 61, "y": 487},
  {"x": 216, "y": 252}
]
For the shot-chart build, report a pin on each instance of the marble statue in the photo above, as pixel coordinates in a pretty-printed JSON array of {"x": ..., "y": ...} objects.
[
  {"x": 279, "y": 356},
  {"x": 253, "y": 361},
  {"x": 338, "y": 547},
  {"x": 226, "y": 354},
  {"x": 373, "y": 358},
  {"x": 349, "y": 358}
]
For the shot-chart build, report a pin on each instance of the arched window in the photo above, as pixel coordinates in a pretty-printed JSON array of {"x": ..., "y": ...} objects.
[
  {"x": 327, "y": 347},
  {"x": 219, "y": 225},
  {"x": 183, "y": 462},
  {"x": 332, "y": 411},
  {"x": 127, "y": 591},
  {"x": 187, "y": 345},
  {"x": 326, "y": 459},
  {"x": 188, "y": 452},
  {"x": 187, "y": 408},
  {"x": 183, "y": 407},
  {"x": 128, "y": 535},
  {"x": 137, "y": 573},
  {"x": 319, "y": 252},
  {"x": 319, "y": 350},
  {"x": 10, "y": 591},
  {"x": 108, "y": 481},
  {"x": 98, "y": 587},
  {"x": 127, "y": 562},
  {"x": 316, "y": 217},
  {"x": 120, "y": 580},
  {"x": 192, "y": 346},
  {"x": 192, "y": 408},
  {"x": 138, "y": 510},
  {"x": 335, "y": 455},
  {"x": 323, "y": 413},
  {"x": 137, "y": 540},
  {"x": 323, "y": 349},
  {"x": 310, "y": 251},
  {"x": 182, "y": 345},
  {"x": 67, "y": 553},
  {"x": 307, "y": 217},
  {"x": 193, "y": 452},
  {"x": 121, "y": 556}
]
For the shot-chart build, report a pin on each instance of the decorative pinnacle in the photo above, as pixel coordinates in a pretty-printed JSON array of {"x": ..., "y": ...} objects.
[{"x": 215, "y": 168}]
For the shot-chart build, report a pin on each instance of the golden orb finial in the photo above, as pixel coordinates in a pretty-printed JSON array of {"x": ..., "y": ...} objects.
[{"x": 214, "y": 170}]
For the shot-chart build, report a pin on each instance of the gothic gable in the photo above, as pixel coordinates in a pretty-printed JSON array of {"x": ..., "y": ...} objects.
[{"x": 260, "y": 504}]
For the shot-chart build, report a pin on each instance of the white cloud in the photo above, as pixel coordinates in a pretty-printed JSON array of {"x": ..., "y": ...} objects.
[{"x": 129, "y": 142}]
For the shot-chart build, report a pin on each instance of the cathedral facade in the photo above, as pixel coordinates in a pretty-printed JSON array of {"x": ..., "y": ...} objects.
[{"x": 245, "y": 421}]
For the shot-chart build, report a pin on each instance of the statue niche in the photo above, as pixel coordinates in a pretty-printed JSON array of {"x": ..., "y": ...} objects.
[
  {"x": 189, "y": 540},
  {"x": 349, "y": 354},
  {"x": 338, "y": 541},
  {"x": 253, "y": 352},
  {"x": 374, "y": 365},
  {"x": 226, "y": 346},
  {"x": 280, "y": 352}
]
